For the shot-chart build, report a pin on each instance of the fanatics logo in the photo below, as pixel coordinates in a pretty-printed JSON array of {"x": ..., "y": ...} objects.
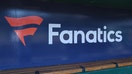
[
  {"x": 99, "y": 35},
  {"x": 19, "y": 22}
]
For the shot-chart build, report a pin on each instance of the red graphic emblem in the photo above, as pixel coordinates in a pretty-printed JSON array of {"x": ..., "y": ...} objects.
[{"x": 18, "y": 22}]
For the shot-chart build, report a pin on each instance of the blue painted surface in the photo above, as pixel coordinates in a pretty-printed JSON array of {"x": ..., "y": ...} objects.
[{"x": 13, "y": 54}]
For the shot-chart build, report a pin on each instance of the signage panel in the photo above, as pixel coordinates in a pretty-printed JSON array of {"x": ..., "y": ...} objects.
[{"x": 32, "y": 37}]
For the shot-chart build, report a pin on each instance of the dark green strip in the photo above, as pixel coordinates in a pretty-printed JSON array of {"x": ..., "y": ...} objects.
[{"x": 121, "y": 70}]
